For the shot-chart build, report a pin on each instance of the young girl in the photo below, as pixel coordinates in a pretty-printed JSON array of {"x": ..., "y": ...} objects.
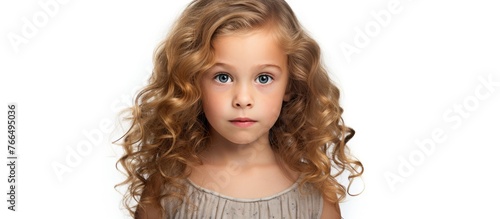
[{"x": 239, "y": 120}]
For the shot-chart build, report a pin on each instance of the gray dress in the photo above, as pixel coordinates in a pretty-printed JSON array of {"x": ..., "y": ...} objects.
[{"x": 290, "y": 204}]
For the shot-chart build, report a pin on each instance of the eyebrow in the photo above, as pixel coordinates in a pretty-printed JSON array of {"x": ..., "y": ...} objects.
[{"x": 261, "y": 66}]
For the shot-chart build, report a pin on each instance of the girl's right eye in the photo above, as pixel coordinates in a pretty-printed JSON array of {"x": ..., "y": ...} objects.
[{"x": 223, "y": 78}]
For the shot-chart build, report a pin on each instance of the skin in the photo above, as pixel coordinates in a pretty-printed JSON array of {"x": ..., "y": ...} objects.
[
  {"x": 249, "y": 80},
  {"x": 250, "y": 77}
]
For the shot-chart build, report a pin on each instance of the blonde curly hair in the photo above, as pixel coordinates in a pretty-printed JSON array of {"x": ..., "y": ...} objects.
[{"x": 169, "y": 131}]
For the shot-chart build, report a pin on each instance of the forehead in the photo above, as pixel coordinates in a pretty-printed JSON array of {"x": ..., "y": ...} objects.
[{"x": 258, "y": 46}]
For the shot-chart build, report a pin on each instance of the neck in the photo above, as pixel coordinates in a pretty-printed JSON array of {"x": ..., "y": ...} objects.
[{"x": 223, "y": 152}]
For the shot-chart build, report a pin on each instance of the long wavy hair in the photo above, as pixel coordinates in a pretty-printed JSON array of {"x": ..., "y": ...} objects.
[{"x": 168, "y": 128}]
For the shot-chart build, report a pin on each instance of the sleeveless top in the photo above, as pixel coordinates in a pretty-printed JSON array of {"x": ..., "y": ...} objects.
[{"x": 291, "y": 203}]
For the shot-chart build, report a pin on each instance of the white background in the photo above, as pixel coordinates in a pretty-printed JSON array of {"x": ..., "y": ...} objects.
[{"x": 406, "y": 81}]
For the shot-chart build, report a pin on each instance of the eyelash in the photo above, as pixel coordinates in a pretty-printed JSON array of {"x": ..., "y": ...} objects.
[{"x": 217, "y": 78}]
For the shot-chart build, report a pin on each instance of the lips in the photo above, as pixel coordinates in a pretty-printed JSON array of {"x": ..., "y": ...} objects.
[{"x": 242, "y": 122}]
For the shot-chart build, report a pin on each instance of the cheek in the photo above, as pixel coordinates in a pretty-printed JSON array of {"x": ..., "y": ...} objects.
[
  {"x": 276, "y": 110},
  {"x": 273, "y": 106},
  {"x": 211, "y": 103}
]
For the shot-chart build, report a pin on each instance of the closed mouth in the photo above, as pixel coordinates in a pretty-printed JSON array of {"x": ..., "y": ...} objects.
[{"x": 242, "y": 122}]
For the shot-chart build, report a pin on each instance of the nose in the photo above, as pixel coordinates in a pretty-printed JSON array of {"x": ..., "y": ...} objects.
[{"x": 243, "y": 97}]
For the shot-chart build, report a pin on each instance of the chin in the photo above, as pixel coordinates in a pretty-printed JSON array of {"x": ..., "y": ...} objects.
[{"x": 241, "y": 141}]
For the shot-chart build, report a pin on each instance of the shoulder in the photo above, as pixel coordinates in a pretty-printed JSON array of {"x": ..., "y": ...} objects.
[
  {"x": 330, "y": 210},
  {"x": 152, "y": 204}
]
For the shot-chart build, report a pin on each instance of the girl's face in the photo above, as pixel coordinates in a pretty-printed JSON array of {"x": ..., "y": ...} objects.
[{"x": 243, "y": 92}]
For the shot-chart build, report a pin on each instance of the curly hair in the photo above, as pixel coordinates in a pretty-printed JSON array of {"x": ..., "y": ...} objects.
[{"x": 169, "y": 130}]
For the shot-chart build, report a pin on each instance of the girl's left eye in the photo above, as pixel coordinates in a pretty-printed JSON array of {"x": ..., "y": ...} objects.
[{"x": 264, "y": 79}]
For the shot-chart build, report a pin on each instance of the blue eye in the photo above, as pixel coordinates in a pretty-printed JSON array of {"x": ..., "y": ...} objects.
[
  {"x": 264, "y": 79},
  {"x": 222, "y": 78}
]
